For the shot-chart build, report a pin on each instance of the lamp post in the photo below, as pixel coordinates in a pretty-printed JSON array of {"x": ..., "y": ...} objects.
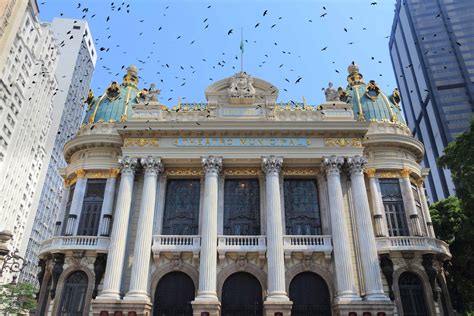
[{"x": 9, "y": 260}]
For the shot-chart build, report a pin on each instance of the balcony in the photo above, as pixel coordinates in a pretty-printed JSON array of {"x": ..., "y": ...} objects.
[
  {"x": 176, "y": 244},
  {"x": 241, "y": 244},
  {"x": 411, "y": 243},
  {"x": 307, "y": 244},
  {"x": 60, "y": 244}
]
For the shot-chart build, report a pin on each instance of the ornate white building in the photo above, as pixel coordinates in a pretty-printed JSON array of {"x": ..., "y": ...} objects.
[{"x": 244, "y": 206}]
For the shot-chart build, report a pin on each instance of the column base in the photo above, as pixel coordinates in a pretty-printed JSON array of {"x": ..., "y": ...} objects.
[
  {"x": 111, "y": 306},
  {"x": 108, "y": 296},
  {"x": 347, "y": 298},
  {"x": 205, "y": 307},
  {"x": 271, "y": 308},
  {"x": 137, "y": 297},
  {"x": 343, "y": 309},
  {"x": 376, "y": 297}
]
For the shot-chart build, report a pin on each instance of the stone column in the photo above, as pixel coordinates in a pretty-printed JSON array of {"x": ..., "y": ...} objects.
[
  {"x": 142, "y": 253},
  {"x": 62, "y": 209},
  {"x": 323, "y": 204},
  {"x": 107, "y": 205},
  {"x": 206, "y": 300},
  {"x": 409, "y": 202},
  {"x": 277, "y": 299},
  {"x": 345, "y": 287},
  {"x": 365, "y": 233},
  {"x": 118, "y": 239},
  {"x": 377, "y": 205},
  {"x": 426, "y": 208},
  {"x": 76, "y": 203}
]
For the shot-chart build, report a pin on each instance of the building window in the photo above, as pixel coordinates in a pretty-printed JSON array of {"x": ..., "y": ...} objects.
[
  {"x": 394, "y": 208},
  {"x": 302, "y": 215},
  {"x": 76, "y": 27},
  {"x": 74, "y": 294},
  {"x": 241, "y": 207},
  {"x": 412, "y": 295},
  {"x": 91, "y": 207},
  {"x": 68, "y": 207},
  {"x": 181, "y": 215}
]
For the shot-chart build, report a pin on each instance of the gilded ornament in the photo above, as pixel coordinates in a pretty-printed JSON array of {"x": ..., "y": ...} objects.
[
  {"x": 141, "y": 142},
  {"x": 388, "y": 174},
  {"x": 405, "y": 172},
  {"x": 80, "y": 173},
  {"x": 370, "y": 172},
  {"x": 184, "y": 172},
  {"x": 242, "y": 171},
  {"x": 372, "y": 91},
  {"x": 420, "y": 181},
  {"x": 114, "y": 172},
  {"x": 293, "y": 171},
  {"x": 343, "y": 142}
]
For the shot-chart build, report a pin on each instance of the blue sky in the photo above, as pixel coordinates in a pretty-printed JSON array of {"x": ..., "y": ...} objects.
[{"x": 292, "y": 48}]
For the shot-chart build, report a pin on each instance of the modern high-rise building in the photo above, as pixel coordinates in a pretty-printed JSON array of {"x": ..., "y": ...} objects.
[
  {"x": 432, "y": 51},
  {"x": 27, "y": 89},
  {"x": 77, "y": 58},
  {"x": 243, "y": 205}
]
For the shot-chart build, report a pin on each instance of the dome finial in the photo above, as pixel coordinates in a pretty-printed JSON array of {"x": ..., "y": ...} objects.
[
  {"x": 354, "y": 77},
  {"x": 131, "y": 78}
]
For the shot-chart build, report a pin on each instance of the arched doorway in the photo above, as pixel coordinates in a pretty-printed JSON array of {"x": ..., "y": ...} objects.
[
  {"x": 242, "y": 295},
  {"x": 74, "y": 294},
  {"x": 412, "y": 295},
  {"x": 173, "y": 295},
  {"x": 310, "y": 295}
]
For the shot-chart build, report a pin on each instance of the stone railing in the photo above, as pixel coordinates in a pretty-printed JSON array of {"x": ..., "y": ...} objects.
[
  {"x": 241, "y": 244},
  {"x": 307, "y": 244},
  {"x": 63, "y": 243},
  {"x": 411, "y": 243},
  {"x": 176, "y": 244}
]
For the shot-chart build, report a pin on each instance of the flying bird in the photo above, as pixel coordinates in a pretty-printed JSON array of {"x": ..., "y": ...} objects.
[
  {"x": 230, "y": 31},
  {"x": 265, "y": 12}
]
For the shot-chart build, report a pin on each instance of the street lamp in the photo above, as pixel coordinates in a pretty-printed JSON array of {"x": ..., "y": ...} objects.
[{"x": 10, "y": 260}]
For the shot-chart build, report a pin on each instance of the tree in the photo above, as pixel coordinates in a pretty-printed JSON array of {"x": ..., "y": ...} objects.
[
  {"x": 17, "y": 298},
  {"x": 453, "y": 219}
]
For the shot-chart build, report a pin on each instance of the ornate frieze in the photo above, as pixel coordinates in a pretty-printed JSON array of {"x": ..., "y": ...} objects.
[
  {"x": 356, "y": 164},
  {"x": 241, "y": 172},
  {"x": 184, "y": 172},
  {"x": 212, "y": 164},
  {"x": 128, "y": 164},
  {"x": 405, "y": 172},
  {"x": 80, "y": 173},
  {"x": 388, "y": 174},
  {"x": 152, "y": 165},
  {"x": 141, "y": 142},
  {"x": 294, "y": 171},
  {"x": 333, "y": 164},
  {"x": 343, "y": 142},
  {"x": 370, "y": 172},
  {"x": 272, "y": 164}
]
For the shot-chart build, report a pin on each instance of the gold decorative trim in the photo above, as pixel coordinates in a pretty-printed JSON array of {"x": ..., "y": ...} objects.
[
  {"x": 184, "y": 172},
  {"x": 114, "y": 172},
  {"x": 405, "y": 172},
  {"x": 343, "y": 142},
  {"x": 370, "y": 172},
  {"x": 420, "y": 181},
  {"x": 388, "y": 174},
  {"x": 141, "y": 142},
  {"x": 361, "y": 115},
  {"x": 242, "y": 171},
  {"x": 80, "y": 173},
  {"x": 92, "y": 118},
  {"x": 294, "y": 171},
  {"x": 124, "y": 116},
  {"x": 67, "y": 182}
]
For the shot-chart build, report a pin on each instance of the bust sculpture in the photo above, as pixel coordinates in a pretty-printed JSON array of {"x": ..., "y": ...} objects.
[{"x": 331, "y": 93}]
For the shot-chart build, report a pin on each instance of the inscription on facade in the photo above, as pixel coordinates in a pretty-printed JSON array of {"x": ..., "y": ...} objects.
[
  {"x": 242, "y": 142},
  {"x": 241, "y": 112}
]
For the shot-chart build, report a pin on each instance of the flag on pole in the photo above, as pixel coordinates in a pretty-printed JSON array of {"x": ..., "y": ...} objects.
[{"x": 242, "y": 45}]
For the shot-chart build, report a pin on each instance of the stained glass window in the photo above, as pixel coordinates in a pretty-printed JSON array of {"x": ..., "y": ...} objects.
[
  {"x": 302, "y": 215},
  {"x": 241, "y": 207},
  {"x": 394, "y": 208},
  {"x": 91, "y": 207},
  {"x": 181, "y": 215}
]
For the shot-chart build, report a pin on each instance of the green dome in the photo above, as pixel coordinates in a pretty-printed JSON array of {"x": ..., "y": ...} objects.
[
  {"x": 368, "y": 101},
  {"x": 115, "y": 105}
]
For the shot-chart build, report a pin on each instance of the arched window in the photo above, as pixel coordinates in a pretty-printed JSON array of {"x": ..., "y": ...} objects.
[
  {"x": 310, "y": 295},
  {"x": 242, "y": 295},
  {"x": 412, "y": 295},
  {"x": 173, "y": 295},
  {"x": 181, "y": 215},
  {"x": 74, "y": 294},
  {"x": 394, "y": 207},
  {"x": 91, "y": 208},
  {"x": 241, "y": 207},
  {"x": 302, "y": 215}
]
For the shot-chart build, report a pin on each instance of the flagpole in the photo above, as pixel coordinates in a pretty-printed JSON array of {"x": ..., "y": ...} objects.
[{"x": 241, "y": 49}]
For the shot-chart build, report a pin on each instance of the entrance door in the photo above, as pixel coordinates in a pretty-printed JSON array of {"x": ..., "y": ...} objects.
[
  {"x": 412, "y": 295},
  {"x": 173, "y": 295},
  {"x": 310, "y": 295},
  {"x": 242, "y": 295}
]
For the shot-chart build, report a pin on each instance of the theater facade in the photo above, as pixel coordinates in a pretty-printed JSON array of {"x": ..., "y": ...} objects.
[{"x": 244, "y": 205}]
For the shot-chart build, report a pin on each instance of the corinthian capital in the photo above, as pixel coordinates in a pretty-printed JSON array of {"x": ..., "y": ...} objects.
[
  {"x": 333, "y": 164},
  {"x": 128, "y": 164},
  {"x": 152, "y": 165},
  {"x": 356, "y": 164},
  {"x": 211, "y": 164},
  {"x": 272, "y": 164}
]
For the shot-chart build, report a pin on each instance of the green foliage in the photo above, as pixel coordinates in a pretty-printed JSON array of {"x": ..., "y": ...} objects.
[
  {"x": 454, "y": 220},
  {"x": 17, "y": 298}
]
